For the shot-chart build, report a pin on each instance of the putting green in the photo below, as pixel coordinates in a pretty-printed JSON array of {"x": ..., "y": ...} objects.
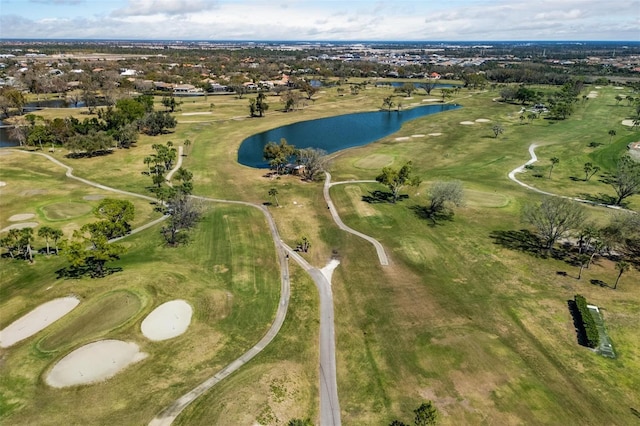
[
  {"x": 95, "y": 320},
  {"x": 66, "y": 210},
  {"x": 374, "y": 161},
  {"x": 485, "y": 199}
]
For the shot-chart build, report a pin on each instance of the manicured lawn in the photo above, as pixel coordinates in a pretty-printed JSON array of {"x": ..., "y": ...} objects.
[{"x": 463, "y": 315}]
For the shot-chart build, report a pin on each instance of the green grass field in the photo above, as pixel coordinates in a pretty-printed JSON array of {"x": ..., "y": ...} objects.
[{"x": 461, "y": 316}]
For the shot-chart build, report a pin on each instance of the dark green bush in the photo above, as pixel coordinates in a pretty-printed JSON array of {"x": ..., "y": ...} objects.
[{"x": 589, "y": 324}]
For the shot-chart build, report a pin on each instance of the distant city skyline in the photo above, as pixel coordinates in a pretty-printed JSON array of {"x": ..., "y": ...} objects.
[{"x": 348, "y": 20}]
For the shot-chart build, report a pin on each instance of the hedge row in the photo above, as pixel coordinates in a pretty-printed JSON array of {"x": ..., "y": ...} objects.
[{"x": 589, "y": 324}]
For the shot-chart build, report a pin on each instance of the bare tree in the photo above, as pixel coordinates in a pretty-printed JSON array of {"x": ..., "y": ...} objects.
[{"x": 554, "y": 218}]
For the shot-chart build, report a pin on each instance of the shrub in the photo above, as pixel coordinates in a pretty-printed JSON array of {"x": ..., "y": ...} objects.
[{"x": 589, "y": 324}]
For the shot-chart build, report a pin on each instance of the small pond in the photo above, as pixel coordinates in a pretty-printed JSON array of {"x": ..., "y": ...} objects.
[{"x": 334, "y": 133}]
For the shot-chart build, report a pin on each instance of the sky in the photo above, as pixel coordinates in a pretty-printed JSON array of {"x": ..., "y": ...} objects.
[{"x": 322, "y": 20}]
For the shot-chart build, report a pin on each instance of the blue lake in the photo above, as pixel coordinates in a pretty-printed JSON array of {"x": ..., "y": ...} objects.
[{"x": 334, "y": 133}]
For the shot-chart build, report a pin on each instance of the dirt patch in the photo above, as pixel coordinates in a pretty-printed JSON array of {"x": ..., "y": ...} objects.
[
  {"x": 167, "y": 321},
  {"x": 93, "y": 197},
  {"x": 20, "y": 226},
  {"x": 95, "y": 362},
  {"x": 36, "y": 320},
  {"x": 21, "y": 216},
  {"x": 327, "y": 270}
]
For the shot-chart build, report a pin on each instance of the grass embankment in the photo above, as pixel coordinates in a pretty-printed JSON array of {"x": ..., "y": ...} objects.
[{"x": 481, "y": 328}]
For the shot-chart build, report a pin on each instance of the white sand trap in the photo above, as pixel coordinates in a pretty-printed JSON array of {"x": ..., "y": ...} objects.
[
  {"x": 467, "y": 123},
  {"x": 402, "y": 138},
  {"x": 36, "y": 320},
  {"x": 19, "y": 226},
  {"x": 483, "y": 120},
  {"x": 598, "y": 87},
  {"x": 431, "y": 100},
  {"x": 592, "y": 95},
  {"x": 95, "y": 362},
  {"x": 417, "y": 136},
  {"x": 21, "y": 217},
  {"x": 627, "y": 123},
  {"x": 168, "y": 320},
  {"x": 619, "y": 88},
  {"x": 196, "y": 113},
  {"x": 2, "y": 183},
  {"x": 93, "y": 197},
  {"x": 327, "y": 271},
  {"x": 435, "y": 134}
]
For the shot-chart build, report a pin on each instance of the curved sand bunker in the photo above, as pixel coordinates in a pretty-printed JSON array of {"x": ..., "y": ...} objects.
[
  {"x": 20, "y": 226},
  {"x": 94, "y": 363},
  {"x": 36, "y": 320},
  {"x": 627, "y": 123},
  {"x": 21, "y": 216},
  {"x": 168, "y": 320}
]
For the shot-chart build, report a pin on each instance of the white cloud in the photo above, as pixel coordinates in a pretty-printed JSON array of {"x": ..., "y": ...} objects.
[{"x": 163, "y": 7}]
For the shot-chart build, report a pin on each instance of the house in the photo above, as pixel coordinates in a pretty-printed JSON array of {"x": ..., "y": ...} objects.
[
  {"x": 186, "y": 90},
  {"x": 434, "y": 75}
]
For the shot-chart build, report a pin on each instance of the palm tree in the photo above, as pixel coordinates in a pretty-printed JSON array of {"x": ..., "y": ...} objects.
[
  {"x": 187, "y": 144},
  {"x": 597, "y": 249},
  {"x": 56, "y": 234},
  {"x": 273, "y": 192},
  {"x": 612, "y": 133},
  {"x": 45, "y": 232},
  {"x": 554, "y": 161},
  {"x": 623, "y": 267}
]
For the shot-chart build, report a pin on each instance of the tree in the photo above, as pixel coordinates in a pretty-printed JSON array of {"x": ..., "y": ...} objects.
[
  {"x": 598, "y": 246},
  {"x": 313, "y": 160},
  {"x": 396, "y": 179},
  {"x": 303, "y": 244},
  {"x": 583, "y": 261},
  {"x": 497, "y": 130},
  {"x": 589, "y": 171},
  {"x": 116, "y": 214},
  {"x": 94, "y": 259},
  {"x": 622, "y": 267},
  {"x": 426, "y": 414},
  {"x": 157, "y": 122},
  {"x": 273, "y": 192},
  {"x": 258, "y": 105},
  {"x": 554, "y": 161},
  {"x": 291, "y": 100},
  {"x": 446, "y": 94},
  {"x": 428, "y": 85},
  {"x": 407, "y": 88},
  {"x": 306, "y": 87},
  {"x": 278, "y": 155},
  {"x": 445, "y": 193},
  {"x": 626, "y": 179},
  {"x": 187, "y": 145},
  {"x": 397, "y": 423},
  {"x": 612, "y": 133},
  {"x": 18, "y": 243},
  {"x": 184, "y": 213},
  {"x": 387, "y": 103},
  {"x": 47, "y": 233},
  {"x": 554, "y": 218}
]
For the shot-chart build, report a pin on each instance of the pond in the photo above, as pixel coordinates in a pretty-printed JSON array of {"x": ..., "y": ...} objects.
[
  {"x": 5, "y": 138},
  {"x": 334, "y": 133}
]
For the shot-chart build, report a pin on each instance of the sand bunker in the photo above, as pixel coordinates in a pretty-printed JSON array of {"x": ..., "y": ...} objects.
[
  {"x": 467, "y": 123},
  {"x": 483, "y": 120},
  {"x": 20, "y": 226},
  {"x": 592, "y": 95},
  {"x": 435, "y": 134},
  {"x": 168, "y": 320},
  {"x": 36, "y": 320},
  {"x": 619, "y": 88},
  {"x": 94, "y": 363},
  {"x": 21, "y": 216},
  {"x": 431, "y": 100},
  {"x": 93, "y": 197},
  {"x": 402, "y": 138},
  {"x": 327, "y": 271},
  {"x": 417, "y": 136},
  {"x": 2, "y": 183},
  {"x": 627, "y": 123},
  {"x": 196, "y": 113}
]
